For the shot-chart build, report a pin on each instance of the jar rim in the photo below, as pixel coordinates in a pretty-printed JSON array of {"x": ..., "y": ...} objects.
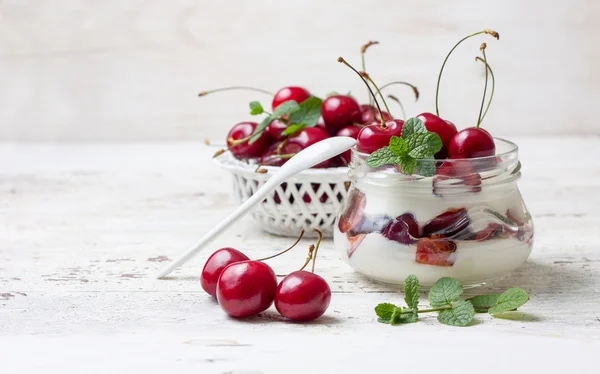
[{"x": 512, "y": 149}]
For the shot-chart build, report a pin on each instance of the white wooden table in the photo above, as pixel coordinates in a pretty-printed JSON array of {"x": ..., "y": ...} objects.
[{"x": 83, "y": 229}]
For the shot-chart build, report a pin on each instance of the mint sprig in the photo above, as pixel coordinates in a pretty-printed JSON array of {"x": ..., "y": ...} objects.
[
  {"x": 405, "y": 151},
  {"x": 444, "y": 297}
]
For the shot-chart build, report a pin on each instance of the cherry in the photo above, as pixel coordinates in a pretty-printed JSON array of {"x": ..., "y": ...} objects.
[
  {"x": 270, "y": 156},
  {"x": 445, "y": 129},
  {"x": 470, "y": 143},
  {"x": 303, "y": 139},
  {"x": 241, "y": 133},
  {"x": 298, "y": 94},
  {"x": 352, "y": 132},
  {"x": 403, "y": 229},
  {"x": 461, "y": 170},
  {"x": 375, "y": 136},
  {"x": 369, "y": 114},
  {"x": 340, "y": 111},
  {"x": 352, "y": 215},
  {"x": 215, "y": 265},
  {"x": 447, "y": 224},
  {"x": 321, "y": 124},
  {"x": 246, "y": 288},
  {"x": 437, "y": 252},
  {"x": 302, "y": 296},
  {"x": 275, "y": 129}
]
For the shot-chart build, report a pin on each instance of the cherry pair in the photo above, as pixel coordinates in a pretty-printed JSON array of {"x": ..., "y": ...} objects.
[{"x": 245, "y": 287}]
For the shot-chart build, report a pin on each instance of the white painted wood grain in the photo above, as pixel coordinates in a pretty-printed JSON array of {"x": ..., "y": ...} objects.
[
  {"x": 120, "y": 70},
  {"x": 83, "y": 228}
]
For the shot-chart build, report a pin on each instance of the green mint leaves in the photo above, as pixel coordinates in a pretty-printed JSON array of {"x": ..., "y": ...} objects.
[
  {"x": 416, "y": 143},
  {"x": 298, "y": 116},
  {"x": 444, "y": 297}
]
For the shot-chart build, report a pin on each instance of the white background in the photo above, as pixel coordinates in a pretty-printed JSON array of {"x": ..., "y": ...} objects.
[{"x": 73, "y": 70}]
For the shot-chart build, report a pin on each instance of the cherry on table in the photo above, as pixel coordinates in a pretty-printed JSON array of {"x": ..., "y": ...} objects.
[
  {"x": 302, "y": 296},
  {"x": 445, "y": 129},
  {"x": 246, "y": 288},
  {"x": 375, "y": 136},
  {"x": 303, "y": 139},
  {"x": 243, "y": 150},
  {"x": 370, "y": 114},
  {"x": 471, "y": 142},
  {"x": 214, "y": 267},
  {"x": 298, "y": 94},
  {"x": 340, "y": 111}
]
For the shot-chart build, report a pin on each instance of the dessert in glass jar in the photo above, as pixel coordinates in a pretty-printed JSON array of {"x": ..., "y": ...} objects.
[{"x": 429, "y": 200}]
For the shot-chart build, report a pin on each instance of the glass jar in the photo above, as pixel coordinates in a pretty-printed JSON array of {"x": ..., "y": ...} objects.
[{"x": 468, "y": 221}]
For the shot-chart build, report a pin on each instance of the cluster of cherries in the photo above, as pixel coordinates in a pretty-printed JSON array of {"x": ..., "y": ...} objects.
[{"x": 245, "y": 287}]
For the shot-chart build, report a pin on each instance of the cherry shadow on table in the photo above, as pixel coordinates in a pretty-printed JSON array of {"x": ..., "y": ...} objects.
[{"x": 270, "y": 316}]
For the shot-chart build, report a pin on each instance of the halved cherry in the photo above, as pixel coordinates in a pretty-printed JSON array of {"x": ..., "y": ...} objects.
[{"x": 436, "y": 251}]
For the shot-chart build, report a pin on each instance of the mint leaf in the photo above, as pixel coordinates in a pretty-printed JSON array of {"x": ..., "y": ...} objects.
[
  {"x": 260, "y": 128},
  {"x": 385, "y": 311},
  {"x": 425, "y": 167},
  {"x": 256, "y": 108},
  {"x": 444, "y": 292},
  {"x": 407, "y": 164},
  {"x": 308, "y": 112},
  {"x": 411, "y": 292},
  {"x": 412, "y": 126},
  {"x": 382, "y": 156},
  {"x": 403, "y": 315},
  {"x": 511, "y": 299},
  {"x": 286, "y": 107},
  {"x": 398, "y": 146},
  {"x": 482, "y": 303},
  {"x": 423, "y": 145},
  {"x": 461, "y": 314},
  {"x": 292, "y": 129}
]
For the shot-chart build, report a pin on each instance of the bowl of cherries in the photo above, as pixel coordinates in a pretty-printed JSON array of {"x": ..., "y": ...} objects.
[{"x": 295, "y": 120}]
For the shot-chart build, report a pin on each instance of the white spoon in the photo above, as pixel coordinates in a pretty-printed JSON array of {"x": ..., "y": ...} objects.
[{"x": 305, "y": 159}]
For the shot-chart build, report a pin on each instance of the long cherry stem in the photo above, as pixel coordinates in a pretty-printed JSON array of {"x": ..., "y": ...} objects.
[
  {"x": 316, "y": 248},
  {"x": 363, "y": 50},
  {"x": 341, "y": 59},
  {"x": 311, "y": 250},
  {"x": 280, "y": 253},
  {"x": 414, "y": 88},
  {"x": 204, "y": 93},
  {"x": 437, "y": 89},
  {"x": 368, "y": 77},
  {"x": 482, "y": 49},
  {"x": 488, "y": 67},
  {"x": 394, "y": 98}
]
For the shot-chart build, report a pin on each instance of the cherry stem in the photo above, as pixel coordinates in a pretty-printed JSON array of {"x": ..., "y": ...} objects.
[
  {"x": 394, "y": 98},
  {"x": 204, "y": 93},
  {"x": 437, "y": 89},
  {"x": 311, "y": 249},
  {"x": 482, "y": 49},
  {"x": 414, "y": 88},
  {"x": 363, "y": 50},
  {"x": 368, "y": 77},
  {"x": 316, "y": 248},
  {"x": 280, "y": 253},
  {"x": 341, "y": 59},
  {"x": 488, "y": 67}
]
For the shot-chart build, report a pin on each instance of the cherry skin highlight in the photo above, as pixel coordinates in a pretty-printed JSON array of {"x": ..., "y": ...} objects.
[
  {"x": 340, "y": 111},
  {"x": 298, "y": 94},
  {"x": 302, "y": 296},
  {"x": 370, "y": 114},
  {"x": 374, "y": 137},
  {"x": 214, "y": 267},
  {"x": 244, "y": 150},
  {"x": 470, "y": 143},
  {"x": 445, "y": 129},
  {"x": 246, "y": 288}
]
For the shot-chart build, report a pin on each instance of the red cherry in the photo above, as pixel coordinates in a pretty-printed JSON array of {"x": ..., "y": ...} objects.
[
  {"x": 321, "y": 124},
  {"x": 470, "y": 143},
  {"x": 373, "y": 137},
  {"x": 302, "y": 296},
  {"x": 437, "y": 252},
  {"x": 403, "y": 229},
  {"x": 352, "y": 132},
  {"x": 298, "y": 94},
  {"x": 303, "y": 139},
  {"x": 445, "y": 129},
  {"x": 340, "y": 111},
  {"x": 370, "y": 114},
  {"x": 244, "y": 150},
  {"x": 448, "y": 224},
  {"x": 246, "y": 288},
  {"x": 275, "y": 130},
  {"x": 215, "y": 265},
  {"x": 269, "y": 156}
]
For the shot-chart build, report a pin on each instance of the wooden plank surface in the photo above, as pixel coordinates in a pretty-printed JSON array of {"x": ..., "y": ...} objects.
[{"x": 83, "y": 229}]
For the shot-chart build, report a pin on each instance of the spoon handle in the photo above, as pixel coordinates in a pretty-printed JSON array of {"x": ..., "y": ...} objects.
[{"x": 305, "y": 159}]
